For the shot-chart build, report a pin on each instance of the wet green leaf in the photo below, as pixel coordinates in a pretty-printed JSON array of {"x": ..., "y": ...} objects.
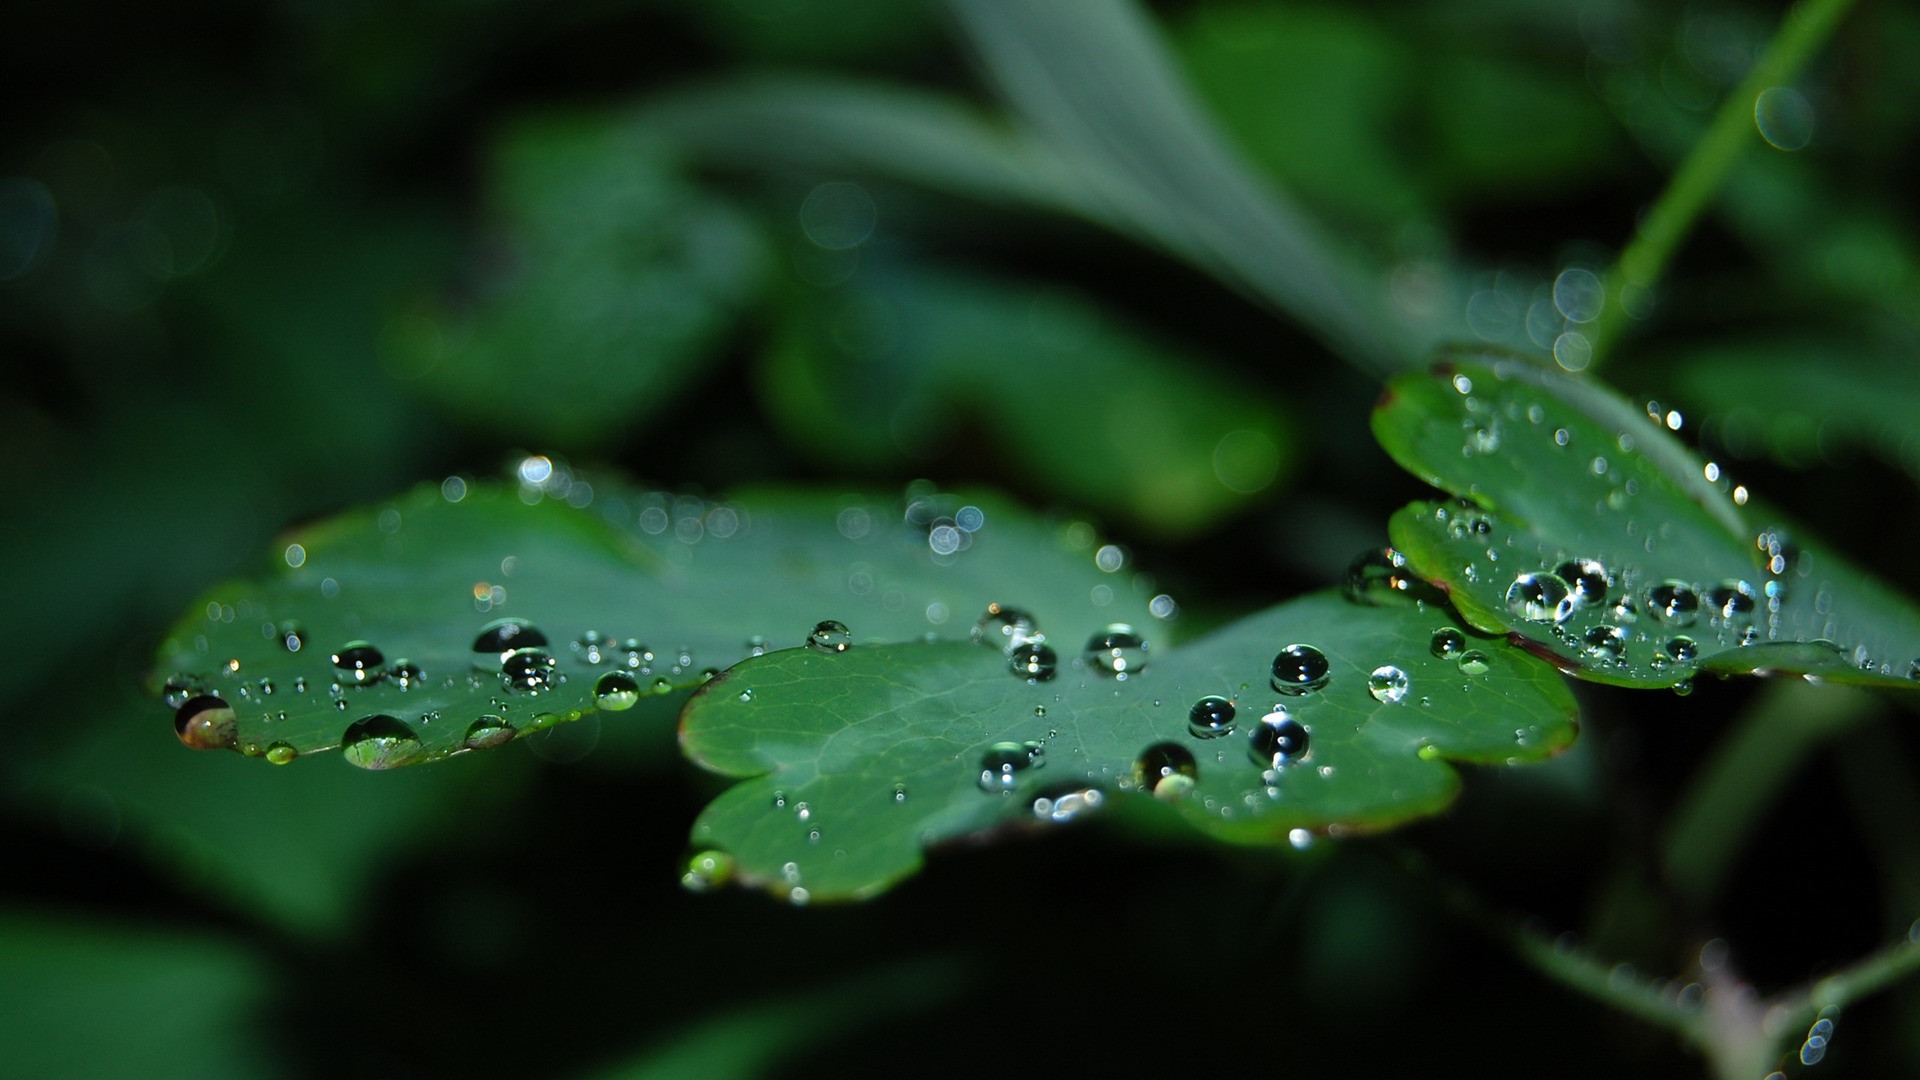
[
  {"x": 854, "y": 763},
  {"x": 1588, "y": 529},
  {"x": 1152, "y": 435},
  {"x": 468, "y": 613}
]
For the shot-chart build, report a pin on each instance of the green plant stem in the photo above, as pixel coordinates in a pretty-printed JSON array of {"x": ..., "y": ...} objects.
[
  {"x": 1724, "y": 802},
  {"x": 1805, "y": 29}
]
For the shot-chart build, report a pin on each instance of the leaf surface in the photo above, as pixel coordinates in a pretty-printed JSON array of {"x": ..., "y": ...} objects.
[
  {"x": 1562, "y": 480},
  {"x": 370, "y": 629},
  {"x": 853, "y": 763}
]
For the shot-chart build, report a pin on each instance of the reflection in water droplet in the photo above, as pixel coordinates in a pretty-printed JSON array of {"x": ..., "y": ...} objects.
[
  {"x": 1448, "y": 643},
  {"x": 406, "y": 674},
  {"x": 1673, "y": 602},
  {"x": 1277, "y": 740},
  {"x": 1117, "y": 651},
  {"x": 281, "y": 753},
  {"x": 1606, "y": 643},
  {"x": 1730, "y": 600},
  {"x": 1474, "y": 662},
  {"x": 1067, "y": 802},
  {"x": 206, "y": 723},
  {"x": 488, "y": 732},
  {"x": 1003, "y": 627},
  {"x": 1375, "y": 574},
  {"x": 1387, "y": 684},
  {"x": 1035, "y": 661},
  {"x": 615, "y": 691},
  {"x": 1681, "y": 648},
  {"x": 831, "y": 637},
  {"x": 1587, "y": 580},
  {"x": 1001, "y": 761},
  {"x": 379, "y": 742},
  {"x": 1540, "y": 598},
  {"x": 1166, "y": 770},
  {"x": 707, "y": 870},
  {"x": 527, "y": 669},
  {"x": 1300, "y": 669},
  {"x": 1210, "y": 718},
  {"x": 359, "y": 662},
  {"x": 502, "y": 636}
]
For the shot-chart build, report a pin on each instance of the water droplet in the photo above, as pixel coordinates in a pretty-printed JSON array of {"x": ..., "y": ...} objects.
[
  {"x": 502, "y": 636},
  {"x": 1034, "y": 661},
  {"x": 206, "y": 723},
  {"x": 281, "y": 753},
  {"x": 488, "y": 732},
  {"x": 662, "y": 685},
  {"x": 1066, "y": 802},
  {"x": 615, "y": 691},
  {"x": 1210, "y": 718},
  {"x": 1117, "y": 651},
  {"x": 1467, "y": 522},
  {"x": 1387, "y": 684},
  {"x": 1540, "y": 598},
  {"x": 406, "y": 673},
  {"x": 1683, "y": 688},
  {"x": 1681, "y": 648},
  {"x": 1004, "y": 628},
  {"x": 1480, "y": 438},
  {"x": 527, "y": 669},
  {"x": 830, "y": 637},
  {"x": 1475, "y": 662},
  {"x": 1376, "y": 573},
  {"x": 779, "y": 800},
  {"x": 1673, "y": 602},
  {"x": 1730, "y": 600},
  {"x": 1278, "y": 739},
  {"x": 1166, "y": 770},
  {"x": 1587, "y": 578},
  {"x": 707, "y": 870},
  {"x": 1300, "y": 669},
  {"x": 359, "y": 662},
  {"x": 746, "y": 695},
  {"x": 379, "y": 742},
  {"x": 1606, "y": 643},
  {"x": 292, "y": 637},
  {"x": 899, "y": 793},
  {"x": 1001, "y": 761},
  {"x": 1448, "y": 643}
]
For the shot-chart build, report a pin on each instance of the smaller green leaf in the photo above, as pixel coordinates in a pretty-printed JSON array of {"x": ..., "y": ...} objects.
[
  {"x": 855, "y": 762},
  {"x": 1586, "y": 528}
]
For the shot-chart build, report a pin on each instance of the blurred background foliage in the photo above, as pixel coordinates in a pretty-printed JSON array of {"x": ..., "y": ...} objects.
[{"x": 262, "y": 262}]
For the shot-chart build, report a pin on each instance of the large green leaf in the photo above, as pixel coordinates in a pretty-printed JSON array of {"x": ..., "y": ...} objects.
[
  {"x": 369, "y": 629},
  {"x": 857, "y": 761},
  {"x": 1589, "y": 530}
]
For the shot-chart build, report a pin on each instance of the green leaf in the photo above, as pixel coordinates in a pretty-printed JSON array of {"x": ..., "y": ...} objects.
[
  {"x": 1152, "y": 436},
  {"x": 856, "y": 762},
  {"x": 1688, "y": 572},
  {"x": 370, "y": 627}
]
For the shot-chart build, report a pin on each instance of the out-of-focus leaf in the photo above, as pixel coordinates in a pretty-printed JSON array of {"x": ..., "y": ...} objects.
[
  {"x": 1054, "y": 389},
  {"x": 814, "y": 30},
  {"x": 854, "y": 763},
  {"x": 381, "y": 629},
  {"x": 1501, "y": 128},
  {"x": 1588, "y": 530},
  {"x": 608, "y": 280}
]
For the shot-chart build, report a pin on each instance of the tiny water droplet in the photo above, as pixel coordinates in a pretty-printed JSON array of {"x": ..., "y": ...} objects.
[
  {"x": 662, "y": 685},
  {"x": 379, "y": 742},
  {"x": 1448, "y": 643},
  {"x": 488, "y": 732},
  {"x": 1586, "y": 578},
  {"x": 1673, "y": 602},
  {"x": 292, "y": 637},
  {"x": 1474, "y": 662},
  {"x": 746, "y": 695},
  {"x": 206, "y": 723},
  {"x": 1034, "y": 661},
  {"x": 1540, "y": 598},
  {"x": 1062, "y": 803},
  {"x": 830, "y": 637},
  {"x": 615, "y": 691},
  {"x": 1004, "y": 628},
  {"x": 1277, "y": 740},
  {"x": 1300, "y": 669},
  {"x": 527, "y": 669},
  {"x": 1210, "y": 718},
  {"x": 779, "y": 800},
  {"x": 502, "y": 636},
  {"x": 359, "y": 662},
  {"x": 281, "y": 753},
  {"x": 1387, "y": 684},
  {"x": 707, "y": 870},
  {"x": 1117, "y": 651},
  {"x": 899, "y": 793}
]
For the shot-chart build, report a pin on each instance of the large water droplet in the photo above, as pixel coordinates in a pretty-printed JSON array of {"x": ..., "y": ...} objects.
[
  {"x": 1448, "y": 643},
  {"x": 1731, "y": 600},
  {"x": 1004, "y": 628},
  {"x": 1586, "y": 579},
  {"x": 206, "y": 723},
  {"x": 1210, "y": 718},
  {"x": 527, "y": 669},
  {"x": 615, "y": 691},
  {"x": 1166, "y": 770},
  {"x": 1673, "y": 602},
  {"x": 830, "y": 637},
  {"x": 1035, "y": 661},
  {"x": 281, "y": 753},
  {"x": 1606, "y": 643},
  {"x": 359, "y": 662},
  {"x": 1387, "y": 684},
  {"x": 1062, "y": 803},
  {"x": 379, "y": 742},
  {"x": 1278, "y": 739},
  {"x": 1300, "y": 669},
  {"x": 1117, "y": 651},
  {"x": 1540, "y": 598},
  {"x": 1475, "y": 662},
  {"x": 488, "y": 732},
  {"x": 1004, "y": 759},
  {"x": 1682, "y": 649},
  {"x": 502, "y": 636}
]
